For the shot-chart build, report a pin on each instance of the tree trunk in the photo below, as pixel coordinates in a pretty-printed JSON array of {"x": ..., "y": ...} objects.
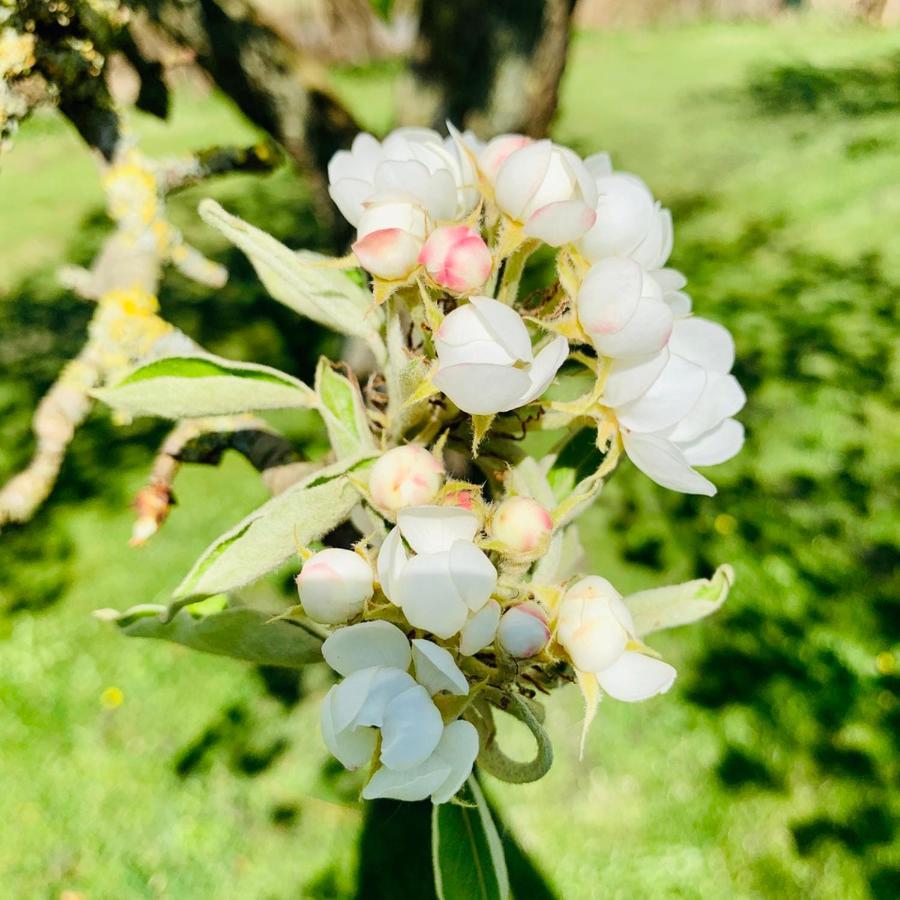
[{"x": 491, "y": 67}]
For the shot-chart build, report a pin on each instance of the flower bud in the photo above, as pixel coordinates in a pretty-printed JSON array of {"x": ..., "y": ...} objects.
[
  {"x": 405, "y": 476},
  {"x": 594, "y": 625},
  {"x": 522, "y": 525},
  {"x": 457, "y": 258},
  {"x": 390, "y": 235},
  {"x": 334, "y": 585},
  {"x": 495, "y": 152},
  {"x": 523, "y": 630}
]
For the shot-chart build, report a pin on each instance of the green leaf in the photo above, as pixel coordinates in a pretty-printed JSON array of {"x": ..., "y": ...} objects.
[
  {"x": 239, "y": 632},
  {"x": 271, "y": 534},
  {"x": 303, "y": 281},
  {"x": 466, "y": 850},
  {"x": 183, "y": 387},
  {"x": 679, "y": 604},
  {"x": 577, "y": 460},
  {"x": 344, "y": 412}
]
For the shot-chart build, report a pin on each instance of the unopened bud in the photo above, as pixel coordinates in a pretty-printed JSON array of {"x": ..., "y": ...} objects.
[
  {"x": 594, "y": 624},
  {"x": 524, "y": 630},
  {"x": 457, "y": 258},
  {"x": 334, "y": 585},
  {"x": 405, "y": 476},
  {"x": 522, "y": 525}
]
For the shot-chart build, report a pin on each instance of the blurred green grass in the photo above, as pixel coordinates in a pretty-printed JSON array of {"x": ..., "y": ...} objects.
[{"x": 138, "y": 769}]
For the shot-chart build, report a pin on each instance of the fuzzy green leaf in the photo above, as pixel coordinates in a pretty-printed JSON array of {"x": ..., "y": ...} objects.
[
  {"x": 183, "y": 387},
  {"x": 271, "y": 534},
  {"x": 303, "y": 281},
  {"x": 239, "y": 632},
  {"x": 679, "y": 604},
  {"x": 344, "y": 412},
  {"x": 466, "y": 850}
]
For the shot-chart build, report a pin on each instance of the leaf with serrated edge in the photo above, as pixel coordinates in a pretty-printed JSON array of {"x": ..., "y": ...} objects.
[
  {"x": 270, "y": 535},
  {"x": 238, "y": 632},
  {"x": 344, "y": 412},
  {"x": 185, "y": 387},
  {"x": 303, "y": 281},
  {"x": 467, "y": 854},
  {"x": 679, "y": 604}
]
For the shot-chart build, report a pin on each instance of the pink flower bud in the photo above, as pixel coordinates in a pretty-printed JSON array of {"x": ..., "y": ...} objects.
[
  {"x": 524, "y": 630},
  {"x": 390, "y": 235},
  {"x": 522, "y": 525},
  {"x": 335, "y": 585},
  {"x": 457, "y": 258},
  {"x": 405, "y": 476},
  {"x": 462, "y": 499}
]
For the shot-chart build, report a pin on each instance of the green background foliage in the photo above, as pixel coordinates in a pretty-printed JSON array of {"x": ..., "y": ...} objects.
[{"x": 142, "y": 769}]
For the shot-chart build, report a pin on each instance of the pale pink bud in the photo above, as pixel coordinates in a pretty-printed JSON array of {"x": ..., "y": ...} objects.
[
  {"x": 522, "y": 525},
  {"x": 335, "y": 585},
  {"x": 462, "y": 499},
  {"x": 405, "y": 476},
  {"x": 457, "y": 258},
  {"x": 390, "y": 235},
  {"x": 494, "y": 154},
  {"x": 524, "y": 630}
]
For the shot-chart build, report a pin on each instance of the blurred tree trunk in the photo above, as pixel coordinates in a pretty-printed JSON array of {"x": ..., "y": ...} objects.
[
  {"x": 264, "y": 75},
  {"x": 488, "y": 66}
]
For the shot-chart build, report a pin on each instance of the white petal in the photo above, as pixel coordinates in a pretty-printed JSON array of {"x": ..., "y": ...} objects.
[
  {"x": 436, "y": 669},
  {"x": 411, "y": 729},
  {"x": 350, "y": 195},
  {"x": 624, "y": 214},
  {"x": 634, "y": 677},
  {"x": 662, "y": 461},
  {"x": 387, "y": 684},
  {"x": 669, "y": 279},
  {"x": 458, "y": 748},
  {"x": 430, "y": 597},
  {"x": 505, "y": 325},
  {"x": 353, "y": 747},
  {"x": 473, "y": 574},
  {"x": 435, "y": 190},
  {"x": 349, "y": 697},
  {"x": 520, "y": 176},
  {"x": 703, "y": 342},
  {"x": 391, "y": 558},
  {"x": 647, "y": 331},
  {"x": 463, "y": 326},
  {"x": 599, "y": 165},
  {"x": 670, "y": 398},
  {"x": 629, "y": 378},
  {"x": 475, "y": 353},
  {"x": 544, "y": 368},
  {"x": 722, "y": 397},
  {"x": 409, "y": 785},
  {"x": 482, "y": 389},
  {"x": 655, "y": 248},
  {"x": 715, "y": 446},
  {"x": 609, "y": 296},
  {"x": 561, "y": 222},
  {"x": 480, "y": 629},
  {"x": 367, "y": 644},
  {"x": 431, "y": 529}
]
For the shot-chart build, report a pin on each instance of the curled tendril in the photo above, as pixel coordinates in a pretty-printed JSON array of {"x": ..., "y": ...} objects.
[{"x": 491, "y": 758}]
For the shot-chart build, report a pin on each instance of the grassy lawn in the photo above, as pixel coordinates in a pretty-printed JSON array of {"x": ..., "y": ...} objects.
[{"x": 141, "y": 770}]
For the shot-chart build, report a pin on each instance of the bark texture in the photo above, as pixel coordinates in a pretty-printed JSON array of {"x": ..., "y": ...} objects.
[{"x": 492, "y": 67}]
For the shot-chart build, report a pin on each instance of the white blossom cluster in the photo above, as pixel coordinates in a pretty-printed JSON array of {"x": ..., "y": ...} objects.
[{"x": 453, "y": 597}]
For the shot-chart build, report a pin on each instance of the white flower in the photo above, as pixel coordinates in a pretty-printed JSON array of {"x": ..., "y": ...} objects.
[
  {"x": 524, "y": 630},
  {"x": 621, "y": 307},
  {"x": 448, "y": 577},
  {"x": 405, "y": 476},
  {"x": 391, "y": 234},
  {"x": 457, "y": 258},
  {"x": 480, "y": 629},
  {"x": 630, "y": 223},
  {"x": 548, "y": 190},
  {"x": 595, "y": 628},
  {"x": 335, "y": 585},
  {"x": 675, "y": 407},
  {"x": 485, "y": 360},
  {"x": 419, "y": 756},
  {"x": 522, "y": 525},
  {"x": 437, "y": 172}
]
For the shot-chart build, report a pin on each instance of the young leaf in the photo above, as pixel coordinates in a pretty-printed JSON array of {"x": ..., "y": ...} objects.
[
  {"x": 679, "y": 604},
  {"x": 239, "y": 632},
  {"x": 344, "y": 412},
  {"x": 577, "y": 460},
  {"x": 303, "y": 281},
  {"x": 467, "y": 853},
  {"x": 270, "y": 535},
  {"x": 183, "y": 387}
]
